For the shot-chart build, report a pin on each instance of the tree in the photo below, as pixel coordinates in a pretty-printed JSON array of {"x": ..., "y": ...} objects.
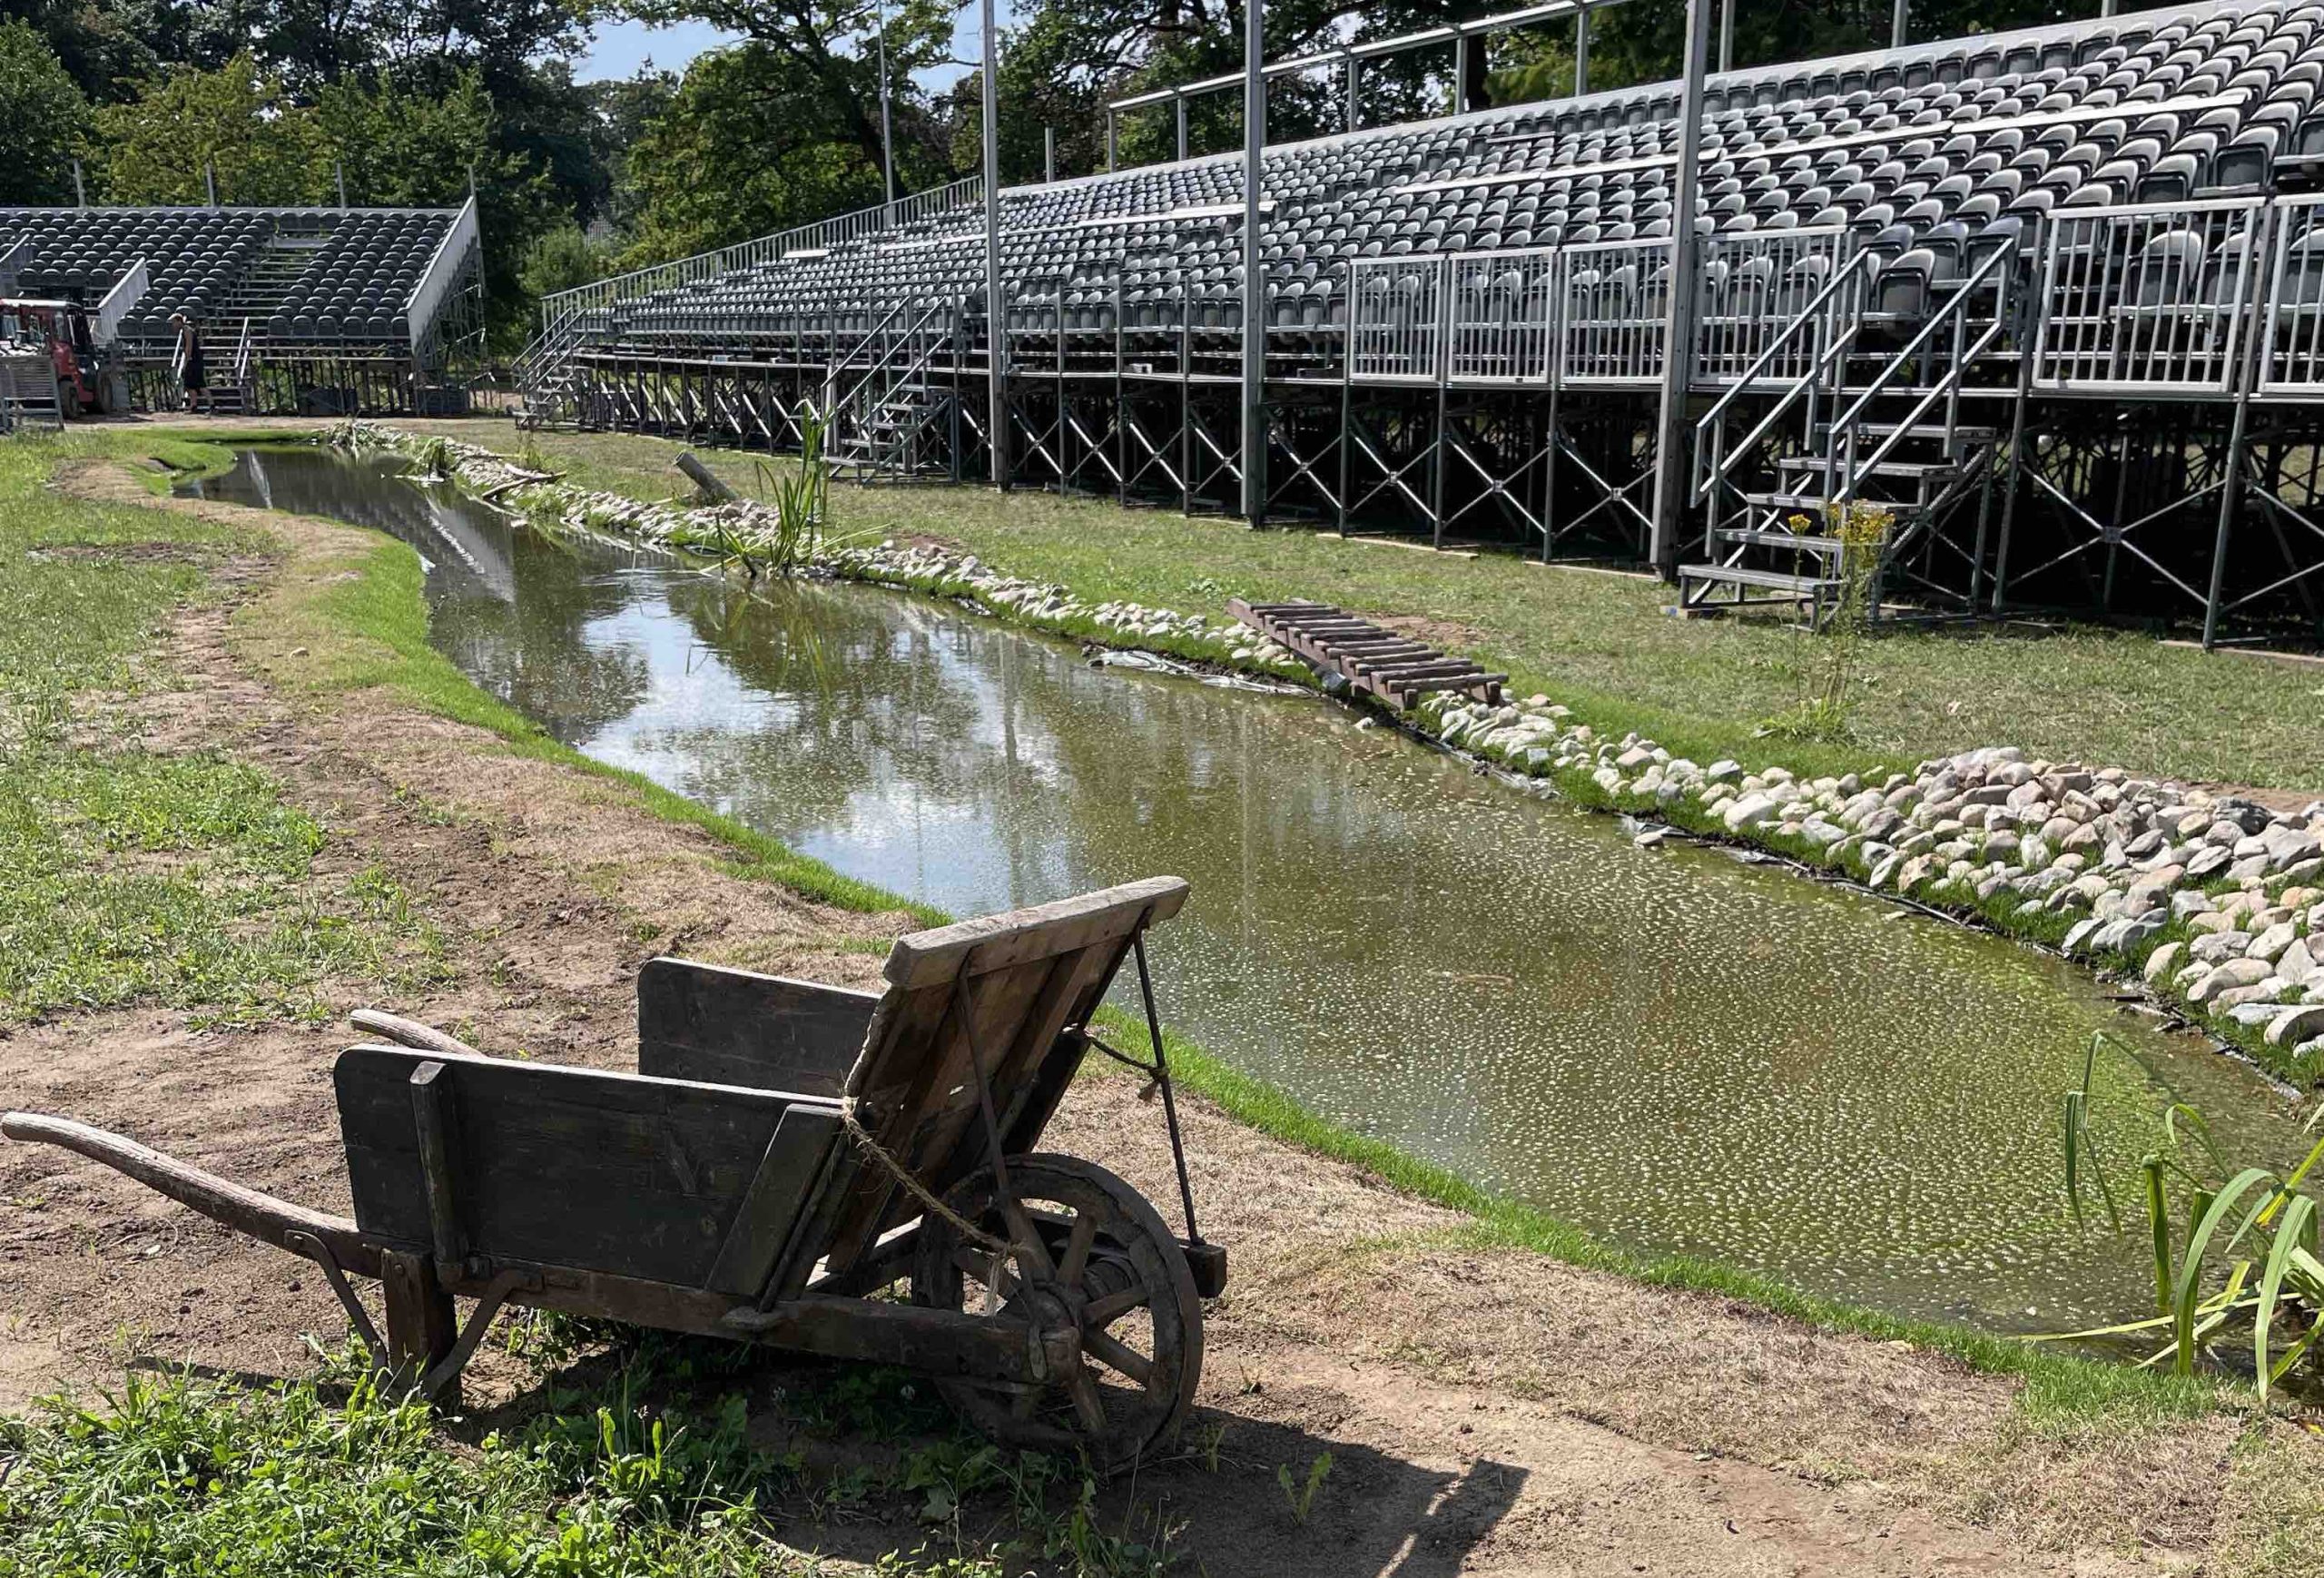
[
  {"x": 827, "y": 51},
  {"x": 41, "y": 117},
  {"x": 754, "y": 140},
  {"x": 237, "y": 122},
  {"x": 557, "y": 260}
]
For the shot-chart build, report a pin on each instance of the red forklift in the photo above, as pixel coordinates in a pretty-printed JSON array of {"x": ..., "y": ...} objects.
[{"x": 88, "y": 378}]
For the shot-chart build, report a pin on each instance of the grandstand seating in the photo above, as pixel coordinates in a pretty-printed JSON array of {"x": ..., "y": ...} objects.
[
  {"x": 1925, "y": 154},
  {"x": 343, "y": 282}
]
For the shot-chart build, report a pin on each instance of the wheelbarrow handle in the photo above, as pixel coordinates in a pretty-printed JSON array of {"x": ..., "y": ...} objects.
[{"x": 244, "y": 1209}]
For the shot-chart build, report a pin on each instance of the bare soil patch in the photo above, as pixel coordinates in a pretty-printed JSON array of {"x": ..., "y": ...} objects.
[{"x": 1486, "y": 1411}]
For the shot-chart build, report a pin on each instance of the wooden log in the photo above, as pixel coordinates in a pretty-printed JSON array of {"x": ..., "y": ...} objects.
[
  {"x": 242, "y": 1209},
  {"x": 410, "y": 1032},
  {"x": 702, "y": 477}
]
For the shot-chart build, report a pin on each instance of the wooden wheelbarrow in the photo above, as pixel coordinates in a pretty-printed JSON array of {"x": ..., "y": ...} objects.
[{"x": 784, "y": 1150}]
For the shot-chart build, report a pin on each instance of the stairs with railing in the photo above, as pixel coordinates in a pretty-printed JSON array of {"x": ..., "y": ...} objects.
[
  {"x": 893, "y": 419},
  {"x": 1860, "y": 420},
  {"x": 548, "y": 384}
]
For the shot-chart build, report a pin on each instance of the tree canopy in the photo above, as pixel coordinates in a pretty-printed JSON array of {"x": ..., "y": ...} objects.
[{"x": 41, "y": 117}]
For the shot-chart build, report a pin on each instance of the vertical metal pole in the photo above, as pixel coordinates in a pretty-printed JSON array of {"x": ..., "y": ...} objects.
[
  {"x": 2105, "y": 7},
  {"x": 1581, "y": 52},
  {"x": 997, "y": 376},
  {"x": 338, "y": 174},
  {"x": 1179, "y": 104},
  {"x": 887, "y": 133},
  {"x": 1897, "y": 25},
  {"x": 1460, "y": 73},
  {"x": 1726, "y": 35},
  {"x": 1110, "y": 127},
  {"x": 1354, "y": 90},
  {"x": 1049, "y": 154},
  {"x": 80, "y": 193},
  {"x": 209, "y": 182},
  {"x": 1672, "y": 432},
  {"x": 1254, "y": 289}
]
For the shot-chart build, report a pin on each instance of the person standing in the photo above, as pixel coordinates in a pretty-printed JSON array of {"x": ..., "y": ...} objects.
[{"x": 192, "y": 374}]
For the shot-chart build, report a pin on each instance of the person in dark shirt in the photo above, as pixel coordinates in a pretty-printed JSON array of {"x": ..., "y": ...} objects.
[{"x": 195, "y": 377}]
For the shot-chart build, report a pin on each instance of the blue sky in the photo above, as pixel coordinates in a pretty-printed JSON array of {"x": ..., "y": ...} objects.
[{"x": 617, "y": 49}]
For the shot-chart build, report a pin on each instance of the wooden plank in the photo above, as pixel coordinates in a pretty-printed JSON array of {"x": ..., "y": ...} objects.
[
  {"x": 432, "y": 1131},
  {"x": 999, "y": 941},
  {"x": 736, "y": 1027},
  {"x": 777, "y": 1199},
  {"x": 605, "y": 1171}
]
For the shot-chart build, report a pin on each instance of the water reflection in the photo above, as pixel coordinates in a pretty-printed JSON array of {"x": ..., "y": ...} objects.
[{"x": 1676, "y": 1051}]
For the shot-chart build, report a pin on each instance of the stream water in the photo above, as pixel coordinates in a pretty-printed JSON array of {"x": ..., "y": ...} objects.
[{"x": 1678, "y": 1050}]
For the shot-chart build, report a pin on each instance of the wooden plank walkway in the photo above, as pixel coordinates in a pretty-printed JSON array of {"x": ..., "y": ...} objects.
[{"x": 1393, "y": 667}]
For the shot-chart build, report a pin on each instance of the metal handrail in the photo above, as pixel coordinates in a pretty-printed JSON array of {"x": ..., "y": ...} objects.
[
  {"x": 118, "y": 304},
  {"x": 1704, "y": 477},
  {"x": 600, "y": 294},
  {"x": 877, "y": 368},
  {"x": 1954, "y": 311}
]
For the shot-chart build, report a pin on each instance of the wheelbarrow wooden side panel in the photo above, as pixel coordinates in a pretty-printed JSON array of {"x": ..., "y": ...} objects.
[
  {"x": 1029, "y": 976},
  {"x": 658, "y": 1180},
  {"x": 736, "y": 1027}
]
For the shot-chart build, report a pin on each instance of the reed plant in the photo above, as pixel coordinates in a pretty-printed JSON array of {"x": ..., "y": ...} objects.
[{"x": 2233, "y": 1250}]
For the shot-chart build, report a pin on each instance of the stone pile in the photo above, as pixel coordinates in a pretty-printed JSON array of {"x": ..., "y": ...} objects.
[{"x": 2220, "y": 901}]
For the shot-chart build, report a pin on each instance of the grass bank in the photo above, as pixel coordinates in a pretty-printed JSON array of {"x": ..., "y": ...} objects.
[
  {"x": 1599, "y": 641},
  {"x": 164, "y": 1475}
]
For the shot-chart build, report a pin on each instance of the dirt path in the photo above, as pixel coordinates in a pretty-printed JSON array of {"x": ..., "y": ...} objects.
[{"x": 1485, "y": 1411}]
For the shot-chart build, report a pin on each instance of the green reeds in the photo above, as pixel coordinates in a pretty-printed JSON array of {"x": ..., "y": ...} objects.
[{"x": 2243, "y": 1255}]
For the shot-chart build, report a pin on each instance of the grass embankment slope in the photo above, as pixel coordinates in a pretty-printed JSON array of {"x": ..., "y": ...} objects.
[
  {"x": 245, "y": 720},
  {"x": 1599, "y": 642}
]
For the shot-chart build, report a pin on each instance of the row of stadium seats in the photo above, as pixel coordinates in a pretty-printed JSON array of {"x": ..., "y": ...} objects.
[{"x": 1926, "y": 154}]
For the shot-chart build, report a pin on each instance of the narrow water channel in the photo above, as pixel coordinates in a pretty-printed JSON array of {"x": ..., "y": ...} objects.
[{"x": 1676, "y": 1051}]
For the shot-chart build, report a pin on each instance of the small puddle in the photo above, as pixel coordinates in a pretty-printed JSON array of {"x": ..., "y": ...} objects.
[{"x": 1676, "y": 1051}]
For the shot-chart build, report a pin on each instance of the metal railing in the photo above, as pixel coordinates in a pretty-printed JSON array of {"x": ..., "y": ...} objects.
[
  {"x": 1613, "y": 310},
  {"x": 1755, "y": 286},
  {"x": 2149, "y": 299},
  {"x": 1817, "y": 343},
  {"x": 11, "y": 264},
  {"x": 443, "y": 273},
  {"x": 2292, "y": 332},
  {"x": 1502, "y": 308},
  {"x": 119, "y": 303},
  {"x": 604, "y": 295},
  {"x": 1945, "y": 333},
  {"x": 1396, "y": 318}
]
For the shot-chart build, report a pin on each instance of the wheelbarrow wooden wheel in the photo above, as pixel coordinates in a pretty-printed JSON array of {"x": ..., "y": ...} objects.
[{"x": 1087, "y": 1254}]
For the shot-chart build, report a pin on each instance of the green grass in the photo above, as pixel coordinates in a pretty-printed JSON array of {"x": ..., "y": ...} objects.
[
  {"x": 133, "y": 876},
  {"x": 182, "y": 880},
  {"x": 1600, "y": 644}
]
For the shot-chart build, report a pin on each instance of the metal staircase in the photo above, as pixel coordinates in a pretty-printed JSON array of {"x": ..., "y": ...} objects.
[
  {"x": 1862, "y": 423},
  {"x": 547, "y": 381},
  {"x": 894, "y": 420}
]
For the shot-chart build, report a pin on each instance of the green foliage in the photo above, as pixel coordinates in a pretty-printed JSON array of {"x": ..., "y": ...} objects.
[
  {"x": 237, "y": 122},
  {"x": 1862, "y": 531},
  {"x": 180, "y": 1475},
  {"x": 2235, "y": 1254},
  {"x": 1300, "y": 1495},
  {"x": 559, "y": 260},
  {"x": 754, "y": 141},
  {"x": 41, "y": 117}
]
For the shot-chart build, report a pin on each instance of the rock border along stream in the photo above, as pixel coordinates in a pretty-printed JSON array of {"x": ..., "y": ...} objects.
[{"x": 2214, "y": 902}]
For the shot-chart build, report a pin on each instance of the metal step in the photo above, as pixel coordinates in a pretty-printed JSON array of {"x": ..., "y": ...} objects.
[
  {"x": 1815, "y": 502},
  {"x": 1933, "y": 432},
  {"x": 1786, "y": 541},
  {"x": 1805, "y": 587},
  {"x": 1911, "y": 471}
]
